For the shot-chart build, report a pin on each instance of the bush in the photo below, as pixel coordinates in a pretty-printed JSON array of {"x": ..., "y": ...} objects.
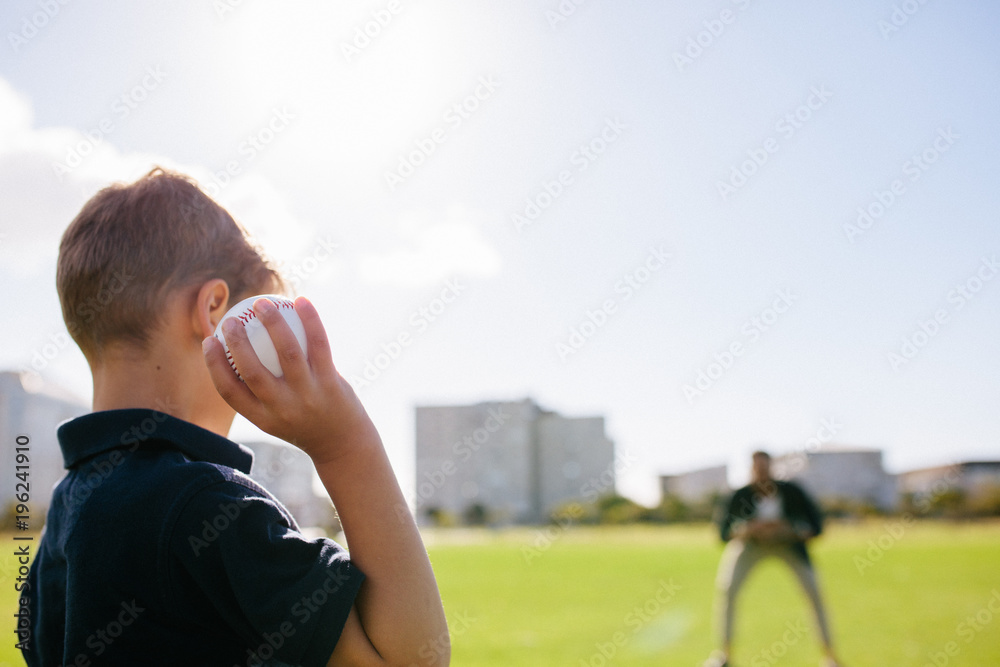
[
  {"x": 476, "y": 515},
  {"x": 615, "y": 509},
  {"x": 574, "y": 512},
  {"x": 849, "y": 508},
  {"x": 985, "y": 502},
  {"x": 440, "y": 518}
]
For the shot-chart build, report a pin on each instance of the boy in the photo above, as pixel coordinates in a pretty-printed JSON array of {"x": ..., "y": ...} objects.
[{"x": 158, "y": 549}]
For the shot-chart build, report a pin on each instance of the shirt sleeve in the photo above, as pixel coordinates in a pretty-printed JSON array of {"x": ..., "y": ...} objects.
[
  {"x": 813, "y": 514},
  {"x": 736, "y": 511},
  {"x": 266, "y": 581}
]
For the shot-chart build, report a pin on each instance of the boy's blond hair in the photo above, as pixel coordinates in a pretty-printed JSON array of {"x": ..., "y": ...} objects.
[{"x": 132, "y": 245}]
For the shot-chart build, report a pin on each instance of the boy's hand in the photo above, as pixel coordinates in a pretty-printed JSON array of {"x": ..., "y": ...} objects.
[
  {"x": 398, "y": 611},
  {"x": 312, "y": 406}
]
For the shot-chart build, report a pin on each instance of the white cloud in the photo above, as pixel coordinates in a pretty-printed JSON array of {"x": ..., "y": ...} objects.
[
  {"x": 39, "y": 201},
  {"x": 253, "y": 200},
  {"x": 15, "y": 109},
  {"x": 434, "y": 248},
  {"x": 46, "y": 175}
]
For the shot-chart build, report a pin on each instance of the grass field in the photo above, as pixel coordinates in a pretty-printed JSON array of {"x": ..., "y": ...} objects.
[{"x": 644, "y": 597}]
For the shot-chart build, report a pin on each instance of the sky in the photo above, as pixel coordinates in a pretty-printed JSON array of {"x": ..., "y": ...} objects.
[{"x": 722, "y": 225}]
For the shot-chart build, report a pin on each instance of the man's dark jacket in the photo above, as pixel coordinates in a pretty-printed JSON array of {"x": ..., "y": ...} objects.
[{"x": 797, "y": 507}]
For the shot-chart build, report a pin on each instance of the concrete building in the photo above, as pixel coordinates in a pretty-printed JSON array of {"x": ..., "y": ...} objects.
[
  {"x": 573, "y": 455},
  {"x": 697, "y": 485},
  {"x": 973, "y": 478},
  {"x": 835, "y": 474},
  {"x": 514, "y": 460},
  {"x": 287, "y": 472},
  {"x": 30, "y": 408}
]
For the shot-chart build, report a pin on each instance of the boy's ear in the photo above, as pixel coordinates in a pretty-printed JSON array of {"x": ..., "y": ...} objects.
[{"x": 211, "y": 304}]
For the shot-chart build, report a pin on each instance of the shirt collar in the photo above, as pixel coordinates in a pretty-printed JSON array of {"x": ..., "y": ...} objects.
[{"x": 103, "y": 431}]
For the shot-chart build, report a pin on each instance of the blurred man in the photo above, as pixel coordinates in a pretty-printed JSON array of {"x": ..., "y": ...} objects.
[{"x": 767, "y": 518}]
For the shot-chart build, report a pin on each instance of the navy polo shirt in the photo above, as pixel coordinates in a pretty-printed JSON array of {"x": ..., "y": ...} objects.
[{"x": 159, "y": 550}]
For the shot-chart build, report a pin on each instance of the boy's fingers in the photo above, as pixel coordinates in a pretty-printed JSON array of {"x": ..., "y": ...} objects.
[
  {"x": 258, "y": 380},
  {"x": 290, "y": 354},
  {"x": 225, "y": 380},
  {"x": 317, "y": 341}
]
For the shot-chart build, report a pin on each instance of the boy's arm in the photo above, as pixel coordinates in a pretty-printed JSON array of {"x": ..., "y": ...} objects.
[
  {"x": 398, "y": 612},
  {"x": 386, "y": 546}
]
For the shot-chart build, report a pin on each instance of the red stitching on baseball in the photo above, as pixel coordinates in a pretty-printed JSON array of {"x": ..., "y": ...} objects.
[{"x": 245, "y": 317}]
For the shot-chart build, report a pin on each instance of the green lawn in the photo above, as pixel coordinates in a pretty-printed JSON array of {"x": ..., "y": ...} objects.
[
  {"x": 595, "y": 592},
  {"x": 644, "y": 596},
  {"x": 9, "y": 566}
]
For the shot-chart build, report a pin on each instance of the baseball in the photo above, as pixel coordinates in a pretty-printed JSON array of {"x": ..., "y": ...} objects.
[{"x": 257, "y": 334}]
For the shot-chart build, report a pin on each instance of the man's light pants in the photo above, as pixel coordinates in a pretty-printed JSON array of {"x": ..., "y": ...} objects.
[{"x": 738, "y": 559}]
